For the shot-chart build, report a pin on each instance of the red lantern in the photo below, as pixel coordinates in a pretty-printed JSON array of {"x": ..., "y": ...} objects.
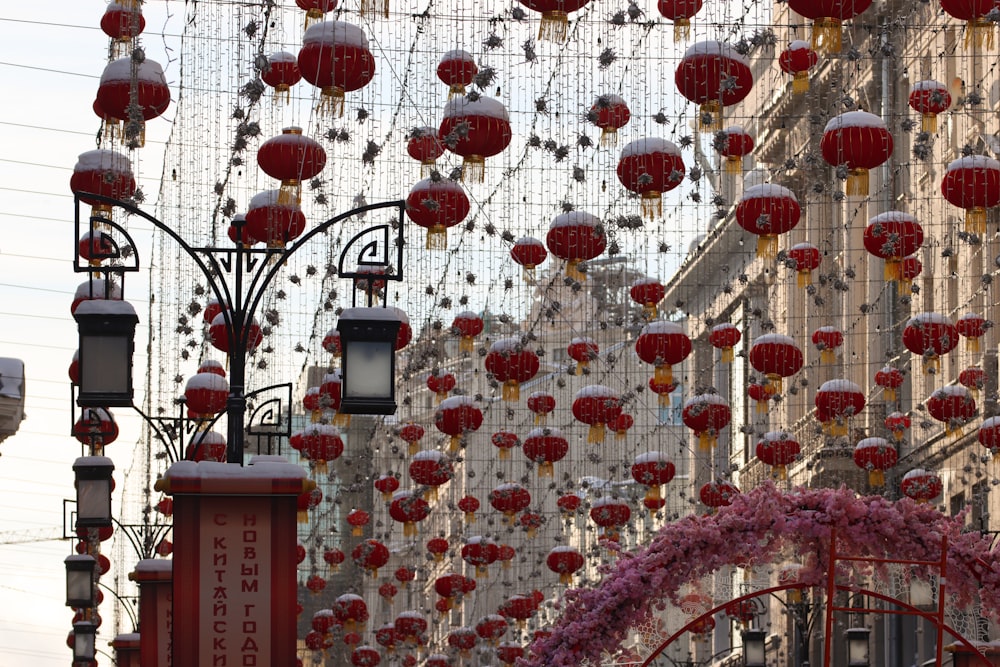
[
  {"x": 315, "y": 9},
  {"x": 321, "y": 443},
  {"x": 206, "y": 395},
  {"x": 529, "y": 252},
  {"x": 827, "y": 16},
  {"x": 350, "y": 611},
  {"x": 621, "y": 425},
  {"x": 664, "y": 390},
  {"x": 123, "y": 21},
  {"x": 930, "y": 98},
  {"x": 431, "y": 468},
  {"x": 365, "y": 656},
  {"x": 892, "y": 236},
  {"x": 323, "y": 621},
  {"x": 272, "y": 221},
  {"x": 582, "y": 349},
  {"x": 519, "y": 607},
  {"x": 972, "y": 379},
  {"x": 680, "y": 13},
  {"x": 576, "y": 237},
  {"x": 206, "y": 446},
  {"x": 133, "y": 92},
  {"x": 876, "y": 456},
  {"x": 564, "y": 561},
  {"x": 545, "y": 446},
  {"x": 804, "y": 258},
  {"x": 860, "y": 141},
  {"x": 765, "y": 211},
  {"x": 649, "y": 167},
  {"x": 386, "y": 636},
  {"x": 105, "y": 173},
  {"x": 218, "y": 334},
  {"x": 979, "y": 28},
  {"x": 930, "y": 335},
  {"x": 331, "y": 343},
  {"x": 463, "y": 639},
  {"x": 357, "y": 520},
  {"x": 505, "y": 441},
  {"x": 404, "y": 575},
  {"x": 778, "y": 449},
  {"x": 96, "y": 247},
  {"x": 408, "y": 508},
  {"x": 387, "y": 591},
  {"x": 510, "y": 499},
  {"x": 410, "y": 627},
  {"x": 507, "y": 554},
  {"x": 989, "y": 435},
  {"x": 743, "y": 611},
  {"x": 456, "y": 416},
  {"x": 898, "y": 423},
  {"x": 480, "y": 552},
  {"x": 335, "y": 58},
  {"x": 610, "y": 113},
  {"x": 441, "y": 382},
  {"x": 973, "y": 327},
  {"x": 610, "y": 514},
  {"x": 647, "y": 292},
  {"x": 531, "y": 522},
  {"x": 424, "y": 146},
  {"x": 733, "y": 143},
  {"x": 437, "y": 204},
  {"x": 797, "y": 60},
  {"x": 954, "y": 406},
  {"x": 468, "y": 325},
  {"x": 457, "y": 70},
  {"x": 370, "y": 555},
  {"x": 96, "y": 427},
  {"x": 663, "y": 344},
  {"x": 909, "y": 269},
  {"x": 541, "y": 404},
  {"x": 653, "y": 470},
  {"x": 491, "y": 628},
  {"x": 827, "y": 340},
  {"x": 437, "y": 547},
  {"x": 476, "y": 128},
  {"x": 596, "y": 405},
  {"x": 839, "y": 400},
  {"x": 291, "y": 158},
  {"x": 776, "y": 356},
  {"x": 568, "y": 504},
  {"x": 554, "y": 16},
  {"x": 510, "y": 363},
  {"x": 469, "y": 505},
  {"x": 717, "y": 494},
  {"x": 282, "y": 72},
  {"x": 333, "y": 557},
  {"x": 921, "y": 485},
  {"x": 508, "y": 653},
  {"x": 706, "y": 415},
  {"x": 890, "y": 379},
  {"x": 713, "y": 75},
  {"x": 724, "y": 337},
  {"x": 411, "y": 433}
]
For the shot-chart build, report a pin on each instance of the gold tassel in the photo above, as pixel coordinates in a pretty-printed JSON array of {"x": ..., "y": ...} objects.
[
  {"x": 282, "y": 93},
  {"x": 540, "y": 419},
  {"x": 876, "y": 477},
  {"x": 321, "y": 468},
  {"x": 649, "y": 311},
  {"x": 706, "y": 441},
  {"x": 341, "y": 419},
  {"x": 440, "y": 396},
  {"x": 838, "y": 427},
  {"x": 409, "y": 529},
  {"x": 979, "y": 32},
  {"x": 664, "y": 401},
  {"x": 827, "y": 35},
  {"x": 413, "y": 448},
  {"x": 431, "y": 494},
  {"x": 454, "y": 444},
  {"x": 528, "y": 274},
  {"x": 357, "y": 531},
  {"x": 653, "y": 493},
  {"x": 504, "y": 454},
  {"x": 290, "y": 192},
  {"x": 546, "y": 469},
  {"x": 652, "y": 205},
  {"x": 682, "y": 29},
  {"x": 331, "y": 102},
  {"x": 466, "y": 344},
  {"x": 734, "y": 164},
  {"x": 473, "y": 169},
  {"x": 302, "y": 516},
  {"x": 975, "y": 221},
  {"x": 892, "y": 270},
  {"x": 928, "y": 123},
  {"x": 470, "y": 517},
  {"x": 805, "y": 278},
  {"x": 427, "y": 167},
  {"x": 553, "y": 26},
  {"x": 531, "y": 533},
  {"x": 827, "y": 356},
  {"x": 312, "y": 15},
  {"x": 609, "y": 137},
  {"x": 482, "y": 572},
  {"x": 781, "y": 473},
  {"x": 762, "y": 407},
  {"x": 767, "y": 246},
  {"x": 857, "y": 182},
  {"x": 728, "y": 355},
  {"x": 898, "y": 435},
  {"x": 889, "y": 395},
  {"x": 369, "y": 8},
  {"x": 710, "y": 117},
  {"x": 456, "y": 90},
  {"x": 596, "y": 433},
  {"x": 932, "y": 365},
  {"x": 800, "y": 83},
  {"x": 774, "y": 386},
  {"x": 511, "y": 391},
  {"x": 437, "y": 238},
  {"x": 573, "y": 271},
  {"x": 663, "y": 374},
  {"x": 565, "y": 578},
  {"x": 905, "y": 286},
  {"x": 315, "y": 416},
  {"x": 972, "y": 345}
]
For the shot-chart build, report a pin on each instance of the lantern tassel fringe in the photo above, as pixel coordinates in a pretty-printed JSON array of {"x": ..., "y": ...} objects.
[
  {"x": 682, "y": 30},
  {"x": 800, "y": 83},
  {"x": 553, "y": 27},
  {"x": 857, "y": 182},
  {"x": 473, "y": 169}
]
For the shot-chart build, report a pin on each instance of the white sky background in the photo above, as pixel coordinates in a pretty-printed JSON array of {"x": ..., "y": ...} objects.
[{"x": 51, "y": 57}]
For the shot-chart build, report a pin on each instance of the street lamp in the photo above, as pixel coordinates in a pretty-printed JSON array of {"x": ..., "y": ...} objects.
[
  {"x": 857, "y": 647},
  {"x": 754, "y": 647},
  {"x": 84, "y": 642},
  {"x": 93, "y": 491},
  {"x": 921, "y": 592},
  {"x": 107, "y": 331},
  {"x": 80, "y": 581},
  {"x": 368, "y": 344}
]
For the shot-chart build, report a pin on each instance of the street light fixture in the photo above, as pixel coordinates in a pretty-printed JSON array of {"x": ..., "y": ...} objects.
[
  {"x": 107, "y": 331},
  {"x": 368, "y": 344},
  {"x": 84, "y": 642},
  {"x": 754, "y": 647},
  {"x": 857, "y": 647},
  {"x": 80, "y": 581},
  {"x": 93, "y": 491}
]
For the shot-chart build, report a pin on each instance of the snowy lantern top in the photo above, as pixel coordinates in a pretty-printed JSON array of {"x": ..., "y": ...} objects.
[
  {"x": 649, "y": 167},
  {"x": 930, "y": 98},
  {"x": 336, "y": 59},
  {"x": 827, "y": 17},
  {"x": 576, "y": 236},
  {"x": 282, "y": 72},
  {"x": 457, "y": 69},
  {"x": 291, "y": 158},
  {"x": 930, "y": 335},
  {"x": 437, "y": 204},
  {"x": 858, "y": 140},
  {"x": 476, "y": 128},
  {"x": 767, "y": 210},
  {"x": 610, "y": 113},
  {"x": 797, "y": 60},
  {"x": 126, "y": 85},
  {"x": 102, "y": 172},
  {"x": 733, "y": 143},
  {"x": 972, "y": 182},
  {"x": 776, "y": 356},
  {"x": 275, "y": 218},
  {"x": 713, "y": 75}
]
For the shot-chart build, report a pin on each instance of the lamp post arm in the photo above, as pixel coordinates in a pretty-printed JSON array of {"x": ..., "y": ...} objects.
[{"x": 126, "y": 603}]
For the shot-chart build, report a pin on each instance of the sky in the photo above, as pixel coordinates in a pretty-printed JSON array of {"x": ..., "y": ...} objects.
[{"x": 51, "y": 58}]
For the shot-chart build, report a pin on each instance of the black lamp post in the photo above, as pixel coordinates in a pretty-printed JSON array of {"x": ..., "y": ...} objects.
[
  {"x": 107, "y": 332},
  {"x": 93, "y": 491},
  {"x": 80, "y": 589},
  {"x": 368, "y": 344},
  {"x": 84, "y": 642},
  {"x": 857, "y": 647},
  {"x": 754, "y": 647}
]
